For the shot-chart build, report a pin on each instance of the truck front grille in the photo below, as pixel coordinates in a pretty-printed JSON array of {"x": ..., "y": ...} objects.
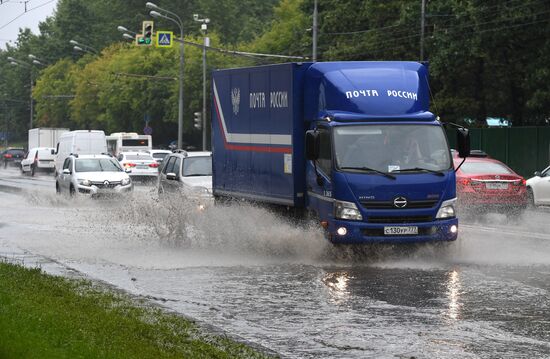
[
  {"x": 428, "y": 203},
  {"x": 408, "y": 219}
]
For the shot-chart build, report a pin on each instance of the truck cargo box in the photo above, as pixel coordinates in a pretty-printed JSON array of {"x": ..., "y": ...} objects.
[{"x": 258, "y": 133}]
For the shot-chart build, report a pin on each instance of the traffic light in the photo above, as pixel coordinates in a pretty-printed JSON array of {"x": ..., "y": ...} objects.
[
  {"x": 197, "y": 121},
  {"x": 146, "y": 36}
]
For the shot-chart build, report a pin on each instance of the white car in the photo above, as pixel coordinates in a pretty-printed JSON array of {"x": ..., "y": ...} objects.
[
  {"x": 159, "y": 155},
  {"x": 38, "y": 159},
  {"x": 92, "y": 175},
  {"x": 141, "y": 164},
  {"x": 538, "y": 188},
  {"x": 188, "y": 173}
]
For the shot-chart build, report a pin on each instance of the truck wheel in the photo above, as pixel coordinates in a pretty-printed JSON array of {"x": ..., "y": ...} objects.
[
  {"x": 57, "y": 189},
  {"x": 33, "y": 169}
]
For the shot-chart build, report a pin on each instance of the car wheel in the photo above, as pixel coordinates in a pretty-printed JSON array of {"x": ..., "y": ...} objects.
[
  {"x": 57, "y": 189},
  {"x": 530, "y": 198},
  {"x": 33, "y": 169},
  {"x": 22, "y": 171},
  {"x": 72, "y": 191}
]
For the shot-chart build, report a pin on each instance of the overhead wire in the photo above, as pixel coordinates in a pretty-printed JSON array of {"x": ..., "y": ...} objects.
[
  {"x": 452, "y": 30},
  {"x": 501, "y": 5},
  {"x": 25, "y": 12}
]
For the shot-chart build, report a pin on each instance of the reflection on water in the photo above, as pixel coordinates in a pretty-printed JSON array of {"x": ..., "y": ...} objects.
[
  {"x": 453, "y": 294},
  {"x": 337, "y": 284}
]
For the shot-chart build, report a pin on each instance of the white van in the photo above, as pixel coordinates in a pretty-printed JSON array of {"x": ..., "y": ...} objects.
[{"x": 82, "y": 142}]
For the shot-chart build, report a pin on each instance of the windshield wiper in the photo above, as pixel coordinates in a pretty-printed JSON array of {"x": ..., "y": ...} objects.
[
  {"x": 416, "y": 169},
  {"x": 368, "y": 169}
]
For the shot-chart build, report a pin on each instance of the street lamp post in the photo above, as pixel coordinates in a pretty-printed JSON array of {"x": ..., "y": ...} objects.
[
  {"x": 82, "y": 47},
  {"x": 204, "y": 29},
  {"x": 16, "y": 62},
  {"x": 127, "y": 34},
  {"x": 168, "y": 15}
]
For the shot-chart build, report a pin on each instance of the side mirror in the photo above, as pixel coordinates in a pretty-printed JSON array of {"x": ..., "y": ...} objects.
[
  {"x": 313, "y": 144},
  {"x": 66, "y": 171},
  {"x": 171, "y": 176},
  {"x": 537, "y": 174},
  {"x": 128, "y": 170},
  {"x": 463, "y": 142},
  {"x": 53, "y": 151}
]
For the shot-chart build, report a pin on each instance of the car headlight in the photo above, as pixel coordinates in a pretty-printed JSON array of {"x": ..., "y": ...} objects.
[
  {"x": 125, "y": 181},
  {"x": 347, "y": 210},
  {"x": 447, "y": 209},
  {"x": 85, "y": 182}
]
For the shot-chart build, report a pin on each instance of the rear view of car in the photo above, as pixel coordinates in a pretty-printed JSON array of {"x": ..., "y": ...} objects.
[
  {"x": 13, "y": 157},
  {"x": 141, "y": 164},
  {"x": 38, "y": 159},
  {"x": 488, "y": 185},
  {"x": 159, "y": 155}
]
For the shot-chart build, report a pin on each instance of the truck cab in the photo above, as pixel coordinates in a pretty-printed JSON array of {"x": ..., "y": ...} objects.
[{"x": 378, "y": 163}]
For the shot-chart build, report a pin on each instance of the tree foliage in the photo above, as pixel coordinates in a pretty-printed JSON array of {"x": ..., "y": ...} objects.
[{"x": 486, "y": 58}]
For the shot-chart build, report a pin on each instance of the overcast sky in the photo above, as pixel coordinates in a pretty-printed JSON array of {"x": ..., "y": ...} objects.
[{"x": 13, "y": 17}]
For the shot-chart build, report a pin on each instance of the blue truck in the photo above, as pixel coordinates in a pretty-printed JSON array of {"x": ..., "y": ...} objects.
[{"x": 351, "y": 143}]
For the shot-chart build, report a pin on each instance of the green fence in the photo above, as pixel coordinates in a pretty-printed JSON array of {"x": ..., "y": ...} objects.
[{"x": 524, "y": 149}]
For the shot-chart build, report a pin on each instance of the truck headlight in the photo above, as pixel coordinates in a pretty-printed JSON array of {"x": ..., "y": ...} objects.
[
  {"x": 125, "y": 181},
  {"x": 447, "y": 209},
  {"x": 85, "y": 182},
  {"x": 347, "y": 210}
]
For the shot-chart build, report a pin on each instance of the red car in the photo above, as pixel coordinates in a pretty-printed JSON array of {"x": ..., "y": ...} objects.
[{"x": 486, "y": 184}]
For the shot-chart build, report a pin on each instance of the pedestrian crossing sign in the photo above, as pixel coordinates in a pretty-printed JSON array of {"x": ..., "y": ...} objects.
[{"x": 165, "y": 38}]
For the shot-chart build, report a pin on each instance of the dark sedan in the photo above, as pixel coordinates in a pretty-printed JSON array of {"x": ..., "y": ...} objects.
[{"x": 13, "y": 156}]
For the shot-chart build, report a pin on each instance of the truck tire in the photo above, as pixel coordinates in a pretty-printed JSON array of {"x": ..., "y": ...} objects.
[
  {"x": 33, "y": 169},
  {"x": 57, "y": 189}
]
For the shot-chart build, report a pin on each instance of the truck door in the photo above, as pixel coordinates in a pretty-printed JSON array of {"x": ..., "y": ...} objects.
[{"x": 319, "y": 183}]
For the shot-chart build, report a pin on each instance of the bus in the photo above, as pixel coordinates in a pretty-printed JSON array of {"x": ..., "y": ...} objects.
[{"x": 128, "y": 141}]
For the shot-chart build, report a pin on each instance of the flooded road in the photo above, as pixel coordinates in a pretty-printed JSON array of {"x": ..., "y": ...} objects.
[{"x": 282, "y": 286}]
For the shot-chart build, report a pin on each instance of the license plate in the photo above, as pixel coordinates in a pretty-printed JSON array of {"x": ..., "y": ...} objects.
[
  {"x": 400, "y": 230},
  {"x": 490, "y": 185},
  {"x": 142, "y": 167}
]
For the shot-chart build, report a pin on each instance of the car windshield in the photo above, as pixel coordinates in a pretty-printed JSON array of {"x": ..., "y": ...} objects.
[
  {"x": 97, "y": 165},
  {"x": 476, "y": 168},
  {"x": 197, "y": 166},
  {"x": 144, "y": 157},
  {"x": 390, "y": 148}
]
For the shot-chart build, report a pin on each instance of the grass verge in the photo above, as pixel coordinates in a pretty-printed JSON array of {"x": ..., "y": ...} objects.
[{"x": 44, "y": 316}]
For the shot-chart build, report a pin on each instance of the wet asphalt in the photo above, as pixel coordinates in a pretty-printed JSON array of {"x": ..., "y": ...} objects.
[{"x": 281, "y": 285}]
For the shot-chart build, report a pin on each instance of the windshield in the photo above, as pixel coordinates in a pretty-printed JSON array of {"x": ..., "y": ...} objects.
[
  {"x": 197, "y": 166},
  {"x": 143, "y": 157},
  {"x": 160, "y": 155},
  {"x": 97, "y": 165},
  {"x": 390, "y": 148},
  {"x": 476, "y": 168}
]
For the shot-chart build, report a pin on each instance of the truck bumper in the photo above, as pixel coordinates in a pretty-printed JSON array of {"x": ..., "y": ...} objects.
[{"x": 360, "y": 232}]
